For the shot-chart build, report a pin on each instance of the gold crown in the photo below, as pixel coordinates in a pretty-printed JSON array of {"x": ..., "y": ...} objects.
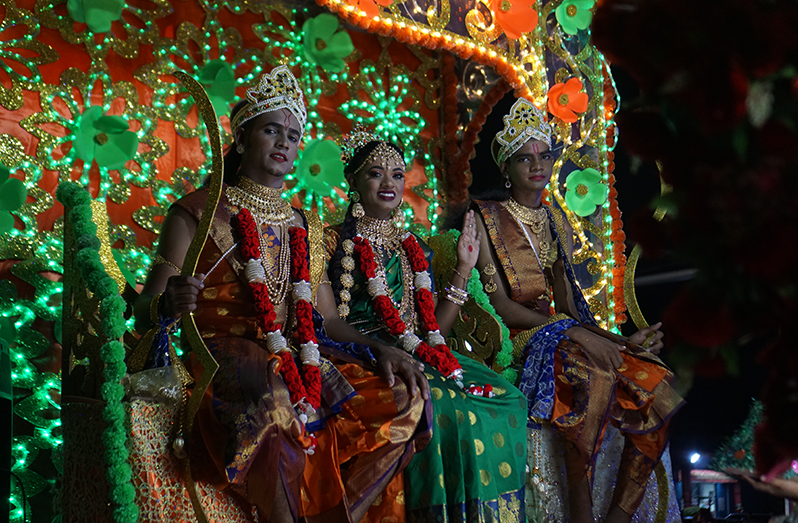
[
  {"x": 525, "y": 122},
  {"x": 355, "y": 140},
  {"x": 278, "y": 90}
]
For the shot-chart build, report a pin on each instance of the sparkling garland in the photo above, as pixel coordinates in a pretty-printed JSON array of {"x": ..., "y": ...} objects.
[
  {"x": 305, "y": 390},
  {"x": 433, "y": 351}
]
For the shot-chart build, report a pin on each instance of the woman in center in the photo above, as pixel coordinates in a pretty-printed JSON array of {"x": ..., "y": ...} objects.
[{"x": 474, "y": 468}]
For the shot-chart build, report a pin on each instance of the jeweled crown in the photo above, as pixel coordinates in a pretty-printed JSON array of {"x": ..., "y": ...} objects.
[
  {"x": 276, "y": 90},
  {"x": 355, "y": 140},
  {"x": 525, "y": 122}
]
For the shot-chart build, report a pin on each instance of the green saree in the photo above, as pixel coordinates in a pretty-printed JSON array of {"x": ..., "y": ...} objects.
[{"x": 473, "y": 470}]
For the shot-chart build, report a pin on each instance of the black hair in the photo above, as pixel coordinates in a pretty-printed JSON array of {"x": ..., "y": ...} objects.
[
  {"x": 349, "y": 225},
  {"x": 232, "y": 159}
]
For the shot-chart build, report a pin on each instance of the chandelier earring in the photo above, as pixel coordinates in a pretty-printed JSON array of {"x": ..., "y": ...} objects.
[
  {"x": 357, "y": 209},
  {"x": 240, "y": 148},
  {"x": 397, "y": 215}
]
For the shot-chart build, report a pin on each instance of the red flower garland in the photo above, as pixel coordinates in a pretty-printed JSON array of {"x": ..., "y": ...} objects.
[
  {"x": 440, "y": 357},
  {"x": 310, "y": 390}
]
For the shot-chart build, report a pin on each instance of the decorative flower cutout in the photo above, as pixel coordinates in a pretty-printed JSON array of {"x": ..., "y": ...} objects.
[
  {"x": 574, "y": 15},
  {"x": 219, "y": 81},
  {"x": 12, "y": 196},
  {"x": 319, "y": 171},
  {"x": 585, "y": 191},
  {"x": 321, "y": 168},
  {"x": 370, "y": 6},
  {"x": 324, "y": 44},
  {"x": 565, "y": 100},
  {"x": 105, "y": 139},
  {"x": 515, "y": 17},
  {"x": 97, "y": 14},
  {"x": 389, "y": 107}
]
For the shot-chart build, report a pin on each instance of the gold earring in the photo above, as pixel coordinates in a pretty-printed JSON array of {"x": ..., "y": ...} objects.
[
  {"x": 508, "y": 183},
  {"x": 358, "y": 211},
  {"x": 355, "y": 196},
  {"x": 398, "y": 215}
]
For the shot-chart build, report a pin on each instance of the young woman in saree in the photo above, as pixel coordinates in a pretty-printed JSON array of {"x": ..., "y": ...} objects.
[{"x": 474, "y": 468}]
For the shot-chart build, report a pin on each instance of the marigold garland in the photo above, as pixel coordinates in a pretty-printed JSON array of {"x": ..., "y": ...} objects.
[
  {"x": 305, "y": 390},
  {"x": 112, "y": 353}
]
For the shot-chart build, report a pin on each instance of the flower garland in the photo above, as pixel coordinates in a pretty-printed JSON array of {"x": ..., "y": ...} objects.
[
  {"x": 617, "y": 236},
  {"x": 433, "y": 351},
  {"x": 305, "y": 390},
  {"x": 112, "y": 353},
  {"x": 440, "y": 356}
]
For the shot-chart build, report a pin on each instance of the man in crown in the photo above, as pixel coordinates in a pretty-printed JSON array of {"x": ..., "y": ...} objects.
[
  {"x": 581, "y": 381},
  {"x": 292, "y": 433}
]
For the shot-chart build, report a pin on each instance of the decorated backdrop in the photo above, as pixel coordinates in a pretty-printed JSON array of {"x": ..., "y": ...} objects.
[{"x": 86, "y": 94}]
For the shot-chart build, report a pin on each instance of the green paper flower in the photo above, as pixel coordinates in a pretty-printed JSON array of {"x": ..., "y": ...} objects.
[
  {"x": 219, "y": 81},
  {"x": 324, "y": 44},
  {"x": 97, "y": 14},
  {"x": 320, "y": 168},
  {"x": 12, "y": 195},
  {"x": 585, "y": 191},
  {"x": 105, "y": 139},
  {"x": 574, "y": 15},
  {"x": 8, "y": 331}
]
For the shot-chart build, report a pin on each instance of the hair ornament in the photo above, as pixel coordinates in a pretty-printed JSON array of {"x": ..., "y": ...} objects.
[{"x": 359, "y": 138}]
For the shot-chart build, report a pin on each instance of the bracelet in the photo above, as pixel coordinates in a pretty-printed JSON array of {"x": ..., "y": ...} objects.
[
  {"x": 157, "y": 317},
  {"x": 457, "y": 291},
  {"x": 155, "y": 314},
  {"x": 160, "y": 260},
  {"x": 456, "y": 295},
  {"x": 458, "y": 273}
]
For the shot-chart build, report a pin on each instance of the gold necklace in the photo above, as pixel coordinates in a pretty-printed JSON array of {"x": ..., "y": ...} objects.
[
  {"x": 536, "y": 219},
  {"x": 268, "y": 208},
  {"x": 380, "y": 233},
  {"x": 265, "y": 203}
]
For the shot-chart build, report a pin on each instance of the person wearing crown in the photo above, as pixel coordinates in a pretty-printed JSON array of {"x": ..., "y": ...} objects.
[
  {"x": 577, "y": 377},
  {"x": 474, "y": 468},
  {"x": 291, "y": 432}
]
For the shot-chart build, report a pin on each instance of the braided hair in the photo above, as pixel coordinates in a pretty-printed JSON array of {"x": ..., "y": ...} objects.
[{"x": 349, "y": 225}]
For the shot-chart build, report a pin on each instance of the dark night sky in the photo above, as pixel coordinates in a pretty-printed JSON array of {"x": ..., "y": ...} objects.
[{"x": 715, "y": 407}]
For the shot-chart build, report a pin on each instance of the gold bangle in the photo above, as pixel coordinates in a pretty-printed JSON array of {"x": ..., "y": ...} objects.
[
  {"x": 458, "y": 273},
  {"x": 154, "y": 303},
  {"x": 160, "y": 260}
]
